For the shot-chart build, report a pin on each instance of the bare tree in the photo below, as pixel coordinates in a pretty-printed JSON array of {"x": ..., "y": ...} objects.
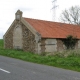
[{"x": 71, "y": 16}]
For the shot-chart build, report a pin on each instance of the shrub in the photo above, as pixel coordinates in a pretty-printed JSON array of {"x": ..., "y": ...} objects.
[{"x": 70, "y": 42}]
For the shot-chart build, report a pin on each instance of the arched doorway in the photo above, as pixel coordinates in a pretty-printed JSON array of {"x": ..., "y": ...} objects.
[{"x": 17, "y": 38}]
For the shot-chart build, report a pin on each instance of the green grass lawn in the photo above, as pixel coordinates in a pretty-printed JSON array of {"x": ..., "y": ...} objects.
[{"x": 71, "y": 62}]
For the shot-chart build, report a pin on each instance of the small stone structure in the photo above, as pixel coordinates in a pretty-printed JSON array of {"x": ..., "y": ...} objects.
[{"x": 28, "y": 35}]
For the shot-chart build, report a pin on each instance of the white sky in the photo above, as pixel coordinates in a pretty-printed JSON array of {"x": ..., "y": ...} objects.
[{"x": 38, "y": 9}]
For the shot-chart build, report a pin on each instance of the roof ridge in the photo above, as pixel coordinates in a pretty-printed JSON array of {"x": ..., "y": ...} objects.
[{"x": 52, "y": 21}]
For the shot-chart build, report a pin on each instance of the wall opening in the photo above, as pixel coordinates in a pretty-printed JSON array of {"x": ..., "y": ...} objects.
[{"x": 17, "y": 38}]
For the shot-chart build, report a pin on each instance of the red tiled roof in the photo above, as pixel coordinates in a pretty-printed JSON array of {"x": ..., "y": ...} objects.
[{"x": 49, "y": 29}]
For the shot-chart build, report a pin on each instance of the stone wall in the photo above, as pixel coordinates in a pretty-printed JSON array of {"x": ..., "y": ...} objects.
[
  {"x": 78, "y": 44},
  {"x": 8, "y": 38},
  {"x": 43, "y": 45},
  {"x": 60, "y": 45},
  {"x": 28, "y": 39}
]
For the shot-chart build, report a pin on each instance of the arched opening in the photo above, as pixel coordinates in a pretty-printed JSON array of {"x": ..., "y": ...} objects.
[{"x": 17, "y": 38}]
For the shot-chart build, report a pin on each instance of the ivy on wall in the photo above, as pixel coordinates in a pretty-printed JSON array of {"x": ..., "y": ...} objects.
[{"x": 70, "y": 42}]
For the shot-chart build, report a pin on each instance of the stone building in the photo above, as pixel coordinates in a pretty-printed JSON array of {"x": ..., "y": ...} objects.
[{"x": 38, "y": 36}]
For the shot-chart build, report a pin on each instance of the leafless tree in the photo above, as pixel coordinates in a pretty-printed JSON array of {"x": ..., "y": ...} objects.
[{"x": 71, "y": 15}]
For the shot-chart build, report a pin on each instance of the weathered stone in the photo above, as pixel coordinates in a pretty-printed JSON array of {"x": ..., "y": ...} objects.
[
  {"x": 43, "y": 45},
  {"x": 27, "y": 37}
]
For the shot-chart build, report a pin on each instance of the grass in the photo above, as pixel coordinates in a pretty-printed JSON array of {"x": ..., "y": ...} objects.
[{"x": 71, "y": 61}]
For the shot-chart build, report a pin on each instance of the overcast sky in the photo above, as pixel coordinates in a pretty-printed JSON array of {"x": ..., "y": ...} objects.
[{"x": 37, "y": 9}]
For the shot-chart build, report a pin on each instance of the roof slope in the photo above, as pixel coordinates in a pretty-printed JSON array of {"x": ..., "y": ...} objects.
[{"x": 49, "y": 29}]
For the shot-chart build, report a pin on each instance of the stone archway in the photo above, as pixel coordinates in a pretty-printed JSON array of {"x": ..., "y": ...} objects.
[{"x": 17, "y": 37}]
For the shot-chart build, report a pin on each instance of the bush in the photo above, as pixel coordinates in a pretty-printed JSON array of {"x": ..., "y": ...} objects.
[{"x": 70, "y": 42}]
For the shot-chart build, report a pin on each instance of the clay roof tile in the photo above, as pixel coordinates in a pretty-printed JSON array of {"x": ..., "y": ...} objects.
[{"x": 49, "y": 29}]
